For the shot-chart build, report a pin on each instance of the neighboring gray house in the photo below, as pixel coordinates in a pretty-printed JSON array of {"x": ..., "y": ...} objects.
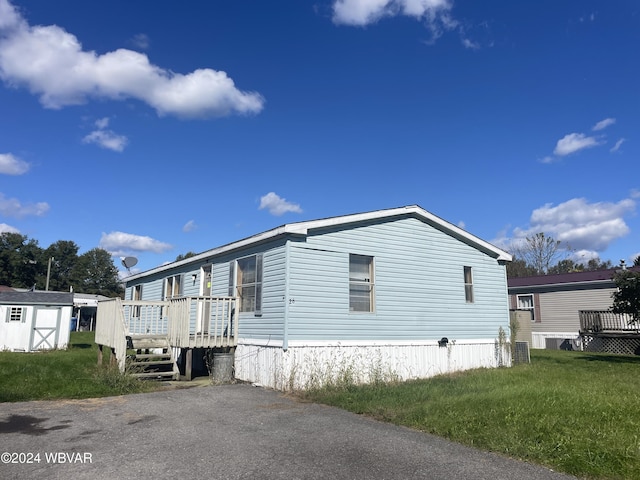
[
  {"x": 396, "y": 293},
  {"x": 34, "y": 320},
  {"x": 555, "y": 300}
]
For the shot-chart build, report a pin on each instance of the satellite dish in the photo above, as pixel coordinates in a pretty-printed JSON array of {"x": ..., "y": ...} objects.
[{"x": 128, "y": 262}]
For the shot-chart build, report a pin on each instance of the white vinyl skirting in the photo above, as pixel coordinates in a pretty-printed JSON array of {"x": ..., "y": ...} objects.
[{"x": 309, "y": 365}]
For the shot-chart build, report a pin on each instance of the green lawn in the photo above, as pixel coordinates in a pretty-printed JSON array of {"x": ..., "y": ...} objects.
[
  {"x": 71, "y": 373},
  {"x": 574, "y": 412}
]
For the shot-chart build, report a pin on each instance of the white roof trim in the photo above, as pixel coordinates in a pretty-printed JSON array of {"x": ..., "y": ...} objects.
[{"x": 302, "y": 228}]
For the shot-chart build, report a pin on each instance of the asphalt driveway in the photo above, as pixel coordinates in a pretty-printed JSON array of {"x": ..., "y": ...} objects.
[{"x": 227, "y": 432}]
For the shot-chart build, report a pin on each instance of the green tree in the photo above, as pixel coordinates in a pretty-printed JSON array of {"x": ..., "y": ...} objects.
[
  {"x": 95, "y": 273},
  {"x": 20, "y": 260},
  {"x": 626, "y": 298},
  {"x": 566, "y": 266},
  {"x": 519, "y": 268},
  {"x": 184, "y": 256},
  {"x": 64, "y": 256},
  {"x": 597, "y": 264}
]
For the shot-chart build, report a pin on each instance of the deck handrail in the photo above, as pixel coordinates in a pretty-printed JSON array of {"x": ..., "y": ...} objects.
[
  {"x": 187, "y": 322},
  {"x": 595, "y": 321},
  {"x": 111, "y": 329},
  {"x": 203, "y": 321}
]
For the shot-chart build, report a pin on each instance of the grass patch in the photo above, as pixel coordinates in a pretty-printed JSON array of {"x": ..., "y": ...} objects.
[
  {"x": 571, "y": 411},
  {"x": 71, "y": 373}
]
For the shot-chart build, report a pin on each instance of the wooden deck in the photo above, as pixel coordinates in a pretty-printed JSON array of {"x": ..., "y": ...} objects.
[
  {"x": 182, "y": 323},
  {"x": 600, "y": 321},
  {"x": 605, "y": 331}
]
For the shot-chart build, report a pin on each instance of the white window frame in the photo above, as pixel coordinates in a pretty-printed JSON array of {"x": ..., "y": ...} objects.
[
  {"x": 246, "y": 287},
  {"x": 16, "y": 314},
  {"x": 468, "y": 284},
  {"x": 530, "y": 306},
  {"x": 136, "y": 294},
  {"x": 173, "y": 286},
  {"x": 360, "y": 285}
]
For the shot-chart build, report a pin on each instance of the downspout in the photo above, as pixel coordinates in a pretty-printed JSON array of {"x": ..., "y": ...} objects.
[{"x": 285, "y": 333}]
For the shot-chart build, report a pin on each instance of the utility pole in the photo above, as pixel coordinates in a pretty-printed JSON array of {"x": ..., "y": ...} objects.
[{"x": 48, "y": 273}]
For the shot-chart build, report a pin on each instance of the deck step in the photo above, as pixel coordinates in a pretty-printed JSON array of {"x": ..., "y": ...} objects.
[
  {"x": 151, "y": 355},
  {"x": 145, "y": 363},
  {"x": 148, "y": 342},
  {"x": 164, "y": 375}
]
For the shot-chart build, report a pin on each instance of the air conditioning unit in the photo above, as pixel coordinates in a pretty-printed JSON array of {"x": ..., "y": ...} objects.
[{"x": 561, "y": 344}]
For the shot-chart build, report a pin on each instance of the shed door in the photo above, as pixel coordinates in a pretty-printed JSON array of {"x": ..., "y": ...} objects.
[{"x": 46, "y": 326}]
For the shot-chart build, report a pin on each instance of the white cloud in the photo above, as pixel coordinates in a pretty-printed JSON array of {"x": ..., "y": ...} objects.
[
  {"x": 141, "y": 41},
  {"x": 12, "y": 207},
  {"x": 12, "y": 165},
  {"x": 471, "y": 45},
  {"x": 548, "y": 159},
  {"x": 52, "y": 64},
  {"x": 4, "y": 228},
  {"x": 579, "y": 224},
  {"x": 278, "y": 206},
  {"x": 189, "y": 226},
  {"x": 102, "y": 123},
  {"x": 107, "y": 139},
  {"x": 435, "y": 13},
  {"x": 574, "y": 142},
  {"x": 120, "y": 243},
  {"x": 617, "y": 146},
  {"x": 602, "y": 124}
]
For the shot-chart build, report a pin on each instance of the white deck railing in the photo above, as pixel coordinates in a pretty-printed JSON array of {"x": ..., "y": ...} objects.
[
  {"x": 203, "y": 322},
  {"x": 187, "y": 322},
  {"x": 110, "y": 329},
  {"x": 595, "y": 321}
]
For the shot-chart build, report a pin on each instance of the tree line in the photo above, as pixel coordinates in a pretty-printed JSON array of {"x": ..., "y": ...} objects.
[
  {"x": 541, "y": 254},
  {"x": 24, "y": 264}
]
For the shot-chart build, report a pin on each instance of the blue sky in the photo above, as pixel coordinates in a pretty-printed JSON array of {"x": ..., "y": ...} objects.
[{"x": 152, "y": 129}]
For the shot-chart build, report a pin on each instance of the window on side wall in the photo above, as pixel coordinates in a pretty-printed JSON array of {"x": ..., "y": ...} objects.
[
  {"x": 246, "y": 275},
  {"x": 468, "y": 284},
  {"x": 361, "y": 284},
  {"x": 16, "y": 314},
  {"x": 173, "y": 287},
  {"x": 137, "y": 295},
  {"x": 525, "y": 302}
]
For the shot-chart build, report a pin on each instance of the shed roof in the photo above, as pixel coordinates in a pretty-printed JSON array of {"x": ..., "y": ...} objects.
[
  {"x": 36, "y": 298},
  {"x": 303, "y": 228}
]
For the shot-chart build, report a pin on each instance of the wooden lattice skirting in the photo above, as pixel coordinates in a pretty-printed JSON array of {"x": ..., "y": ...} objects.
[{"x": 624, "y": 345}]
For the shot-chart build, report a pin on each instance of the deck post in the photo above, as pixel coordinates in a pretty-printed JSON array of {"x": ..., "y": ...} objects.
[
  {"x": 99, "y": 354},
  {"x": 188, "y": 367},
  {"x": 112, "y": 357}
]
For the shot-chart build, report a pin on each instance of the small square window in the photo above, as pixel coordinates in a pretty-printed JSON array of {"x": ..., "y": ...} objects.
[{"x": 15, "y": 314}]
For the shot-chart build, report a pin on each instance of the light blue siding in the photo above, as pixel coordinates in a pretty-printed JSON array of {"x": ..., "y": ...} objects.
[{"x": 419, "y": 286}]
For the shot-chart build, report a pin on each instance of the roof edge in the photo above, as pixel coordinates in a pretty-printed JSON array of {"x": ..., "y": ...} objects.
[{"x": 303, "y": 228}]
